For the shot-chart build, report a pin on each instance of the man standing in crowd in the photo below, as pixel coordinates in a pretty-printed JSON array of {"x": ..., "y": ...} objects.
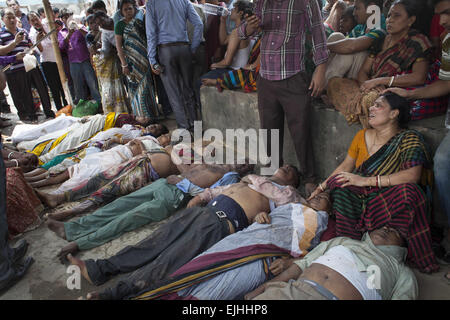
[
  {"x": 72, "y": 40},
  {"x": 437, "y": 89},
  {"x": 283, "y": 85},
  {"x": 48, "y": 59},
  {"x": 168, "y": 40},
  {"x": 12, "y": 41},
  {"x": 15, "y": 6}
]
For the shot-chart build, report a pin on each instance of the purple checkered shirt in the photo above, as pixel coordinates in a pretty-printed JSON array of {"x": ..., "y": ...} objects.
[{"x": 284, "y": 24}]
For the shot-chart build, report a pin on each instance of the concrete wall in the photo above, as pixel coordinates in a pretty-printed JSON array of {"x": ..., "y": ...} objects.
[{"x": 331, "y": 133}]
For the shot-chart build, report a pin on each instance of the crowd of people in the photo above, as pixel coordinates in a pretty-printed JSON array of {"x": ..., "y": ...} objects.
[{"x": 229, "y": 233}]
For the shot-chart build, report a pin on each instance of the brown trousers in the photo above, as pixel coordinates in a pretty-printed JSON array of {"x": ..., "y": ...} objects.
[{"x": 292, "y": 98}]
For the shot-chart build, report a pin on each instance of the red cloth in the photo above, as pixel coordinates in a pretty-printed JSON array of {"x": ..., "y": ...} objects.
[
  {"x": 22, "y": 204},
  {"x": 330, "y": 233},
  {"x": 436, "y": 29}
]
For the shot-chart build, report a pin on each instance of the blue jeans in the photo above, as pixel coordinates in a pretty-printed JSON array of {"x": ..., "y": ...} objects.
[
  {"x": 83, "y": 73},
  {"x": 442, "y": 174}
]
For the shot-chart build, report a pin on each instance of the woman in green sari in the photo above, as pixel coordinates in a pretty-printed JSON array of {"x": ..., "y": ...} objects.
[{"x": 131, "y": 44}]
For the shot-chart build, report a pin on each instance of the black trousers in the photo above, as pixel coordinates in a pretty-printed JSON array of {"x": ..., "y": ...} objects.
[
  {"x": 19, "y": 85},
  {"x": 185, "y": 235},
  {"x": 37, "y": 81},
  {"x": 54, "y": 83},
  {"x": 290, "y": 98},
  {"x": 6, "y": 270}
]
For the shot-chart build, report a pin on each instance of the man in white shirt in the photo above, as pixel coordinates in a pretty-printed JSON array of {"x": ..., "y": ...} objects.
[{"x": 48, "y": 59}]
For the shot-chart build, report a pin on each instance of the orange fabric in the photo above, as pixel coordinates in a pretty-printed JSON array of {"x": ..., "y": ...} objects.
[{"x": 358, "y": 148}]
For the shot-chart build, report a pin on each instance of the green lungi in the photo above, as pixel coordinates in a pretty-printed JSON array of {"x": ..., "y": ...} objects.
[{"x": 151, "y": 203}]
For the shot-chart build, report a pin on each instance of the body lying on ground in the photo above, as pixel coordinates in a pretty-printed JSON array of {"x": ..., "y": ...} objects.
[
  {"x": 154, "y": 202},
  {"x": 191, "y": 232},
  {"x": 346, "y": 269}
]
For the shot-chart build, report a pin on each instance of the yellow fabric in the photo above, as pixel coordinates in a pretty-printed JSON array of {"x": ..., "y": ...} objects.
[
  {"x": 110, "y": 121},
  {"x": 358, "y": 148}
]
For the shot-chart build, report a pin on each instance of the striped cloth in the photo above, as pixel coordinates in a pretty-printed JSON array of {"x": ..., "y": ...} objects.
[
  {"x": 241, "y": 78},
  {"x": 6, "y": 37},
  {"x": 284, "y": 25},
  {"x": 404, "y": 207},
  {"x": 141, "y": 84},
  {"x": 240, "y": 262}
]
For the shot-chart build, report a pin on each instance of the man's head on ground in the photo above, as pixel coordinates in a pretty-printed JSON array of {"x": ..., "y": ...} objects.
[
  {"x": 287, "y": 175},
  {"x": 164, "y": 140},
  {"x": 347, "y": 21},
  {"x": 387, "y": 236},
  {"x": 320, "y": 202},
  {"x": 442, "y": 8},
  {"x": 156, "y": 130},
  {"x": 9, "y": 18},
  {"x": 360, "y": 9},
  {"x": 14, "y": 5},
  {"x": 98, "y": 5},
  {"x": 244, "y": 168}
]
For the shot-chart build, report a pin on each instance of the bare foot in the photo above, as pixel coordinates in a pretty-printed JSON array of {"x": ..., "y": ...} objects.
[
  {"x": 61, "y": 215},
  {"x": 50, "y": 200},
  {"x": 35, "y": 172},
  {"x": 80, "y": 263},
  {"x": 57, "y": 227},
  {"x": 71, "y": 248},
  {"x": 209, "y": 82}
]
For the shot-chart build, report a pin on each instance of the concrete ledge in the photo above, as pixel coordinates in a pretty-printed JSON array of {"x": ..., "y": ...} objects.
[{"x": 331, "y": 133}]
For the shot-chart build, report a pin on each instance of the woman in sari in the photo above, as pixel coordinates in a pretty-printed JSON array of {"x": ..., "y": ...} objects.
[
  {"x": 107, "y": 65},
  {"x": 384, "y": 181},
  {"x": 131, "y": 44},
  {"x": 400, "y": 59}
]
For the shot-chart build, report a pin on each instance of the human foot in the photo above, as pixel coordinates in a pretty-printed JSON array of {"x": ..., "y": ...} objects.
[
  {"x": 61, "y": 215},
  {"x": 80, "y": 263},
  {"x": 50, "y": 200},
  {"x": 57, "y": 227},
  {"x": 71, "y": 248}
]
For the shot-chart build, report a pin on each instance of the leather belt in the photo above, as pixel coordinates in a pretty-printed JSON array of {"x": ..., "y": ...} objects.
[{"x": 173, "y": 44}]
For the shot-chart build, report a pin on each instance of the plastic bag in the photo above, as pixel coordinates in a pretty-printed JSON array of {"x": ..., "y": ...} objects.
[
  {"x": 85, "y": 108},
  {"x": 30, "y": 62}
]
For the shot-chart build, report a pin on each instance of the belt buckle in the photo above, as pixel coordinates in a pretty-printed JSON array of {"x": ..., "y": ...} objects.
[{"x": 221, "y": 214}]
